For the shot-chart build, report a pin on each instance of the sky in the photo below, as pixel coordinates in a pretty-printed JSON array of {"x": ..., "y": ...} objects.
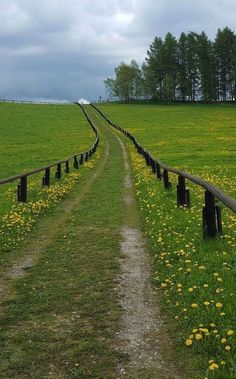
[{"x": 64, "y": 49}]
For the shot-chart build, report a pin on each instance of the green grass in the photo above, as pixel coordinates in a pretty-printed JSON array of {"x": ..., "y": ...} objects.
[
  {"x": 60, "y": 320},
  {"x": 196, "y": 278},
  {"x": 198, "y": 138},
  {"x": 36, "y": 135},
  {"x": 33, "y": 136}
]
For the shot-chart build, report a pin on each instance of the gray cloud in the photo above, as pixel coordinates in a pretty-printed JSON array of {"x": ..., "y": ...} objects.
[{"x": 64, "y": 49}]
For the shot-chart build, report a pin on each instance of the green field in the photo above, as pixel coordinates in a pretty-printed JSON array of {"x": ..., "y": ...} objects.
[
  {"x": 198, "y": 138},
  {"x": 36, "y": 135},
  {"x": 195, "y": 277}
]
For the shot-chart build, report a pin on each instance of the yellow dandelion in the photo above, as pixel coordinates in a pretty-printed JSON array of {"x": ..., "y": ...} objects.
[
  {"x": 188, "y": 342},
  {"x": 213, "y": 366}
]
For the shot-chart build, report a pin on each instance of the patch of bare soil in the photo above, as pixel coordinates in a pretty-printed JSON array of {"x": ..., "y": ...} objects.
[{"x": 143, "y": 334}]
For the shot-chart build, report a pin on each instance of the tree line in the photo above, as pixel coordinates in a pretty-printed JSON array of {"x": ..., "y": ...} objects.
[{"x": 192, "y": 68}]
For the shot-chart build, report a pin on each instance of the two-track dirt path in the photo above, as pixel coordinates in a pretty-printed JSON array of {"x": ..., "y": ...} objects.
[{"x": 102, "y": 219}]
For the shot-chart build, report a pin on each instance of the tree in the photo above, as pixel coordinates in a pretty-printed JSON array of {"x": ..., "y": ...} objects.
[
  {"x": 110, "y": 87},
  {"x": 191, "y": 69},
  {"x": 128, "y": 82},
  {"x": 182, "y": 75},
  {"x": 225, "y": 63},
  {"x": 154, "y": 70},
  {"x": 207, "y": 68}
]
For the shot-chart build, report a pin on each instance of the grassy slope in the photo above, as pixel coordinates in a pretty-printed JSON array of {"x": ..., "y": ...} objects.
[
  {"x": 35, "y": 135},
  {"x": 61, "y": 319},
  {"x": 198, "y": 138},
  {"x": 196, "y": 277}
]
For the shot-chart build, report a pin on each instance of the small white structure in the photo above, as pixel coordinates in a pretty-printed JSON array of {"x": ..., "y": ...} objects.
[{"x": 83, "y": 101}]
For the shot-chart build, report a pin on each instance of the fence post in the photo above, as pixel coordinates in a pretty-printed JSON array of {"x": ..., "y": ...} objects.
[
  {"x": 147, "y": 158},
  {"x": 58, "y": 172},
  {"x": 158, "y": 171},
  {"x": 183, "y": 197},
  {"x": 211, "y": 217},
  {"x": 22, "y": 190},
  {"x": 76, "y": 163},
  {"x": 67, "y": 168},
  {"x": 153, "y": 165},
  {"x": 81, "y": 159},
  {"x": 46, "y": 178},
  {"x": 167, "y": 183}
]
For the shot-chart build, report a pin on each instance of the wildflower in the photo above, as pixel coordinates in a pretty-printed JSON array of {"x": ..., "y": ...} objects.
[
  {"x": 223, "y": 340},
  {"x": 198, "y": 337},
  {"x": 206, "y": 303},
  {"x": 188, "y": 342},
  {"x": 227, "y": 348},
  {"x": 230, "y": 332},
  {"x": 213, "y": 366},
  {"x": 194, "y": 305},
  {"x": 190, "y": 289},
  {"x": 219, "y": 305}
]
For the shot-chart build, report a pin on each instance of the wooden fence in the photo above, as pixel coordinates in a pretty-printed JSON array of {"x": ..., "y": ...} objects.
[{"x": 211, "y": 213}]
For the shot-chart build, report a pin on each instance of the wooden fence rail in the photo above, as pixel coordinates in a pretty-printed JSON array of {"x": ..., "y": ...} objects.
[
  {"x": 77, "y": 159},
  {"x": 211, "y": 213}
]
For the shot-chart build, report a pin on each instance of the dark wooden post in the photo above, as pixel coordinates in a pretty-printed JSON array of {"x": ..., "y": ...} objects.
[
  {"x": 167, "y": 184},
  {"x": 58, "y": 172},
  {"x": 211, "y": 217},
  {"x": 183, "y": 197},
  {"x": 153, "y": 165},
  {"x": 46, "y": 178},
  {"x": 158, "y": 171},
  {"x": 67, "y": 168},
  {"x": 86, "y": 156},
  {"x": 147, "y": 158},
  {"x": 22, "y": 190},
  {"x": 81, "y": 159},
  {"x": 76, "y": 163}
]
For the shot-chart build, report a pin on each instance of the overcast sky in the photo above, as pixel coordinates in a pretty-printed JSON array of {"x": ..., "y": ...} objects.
[{"x": 64, "y": 49}]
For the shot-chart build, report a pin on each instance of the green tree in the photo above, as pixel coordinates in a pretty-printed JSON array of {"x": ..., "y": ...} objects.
[
  {"x": 207, "y": 68},
  {"x": 110, "y": 87},
  {"x": 170, "y": 65},
  {"x": 182, "y": 73},
  {"x": 154, "y": 71},
  {"x": 225, "y": 63},
  {"x": 192, "y": 67},
  {"x": 128, "y": 82}
]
